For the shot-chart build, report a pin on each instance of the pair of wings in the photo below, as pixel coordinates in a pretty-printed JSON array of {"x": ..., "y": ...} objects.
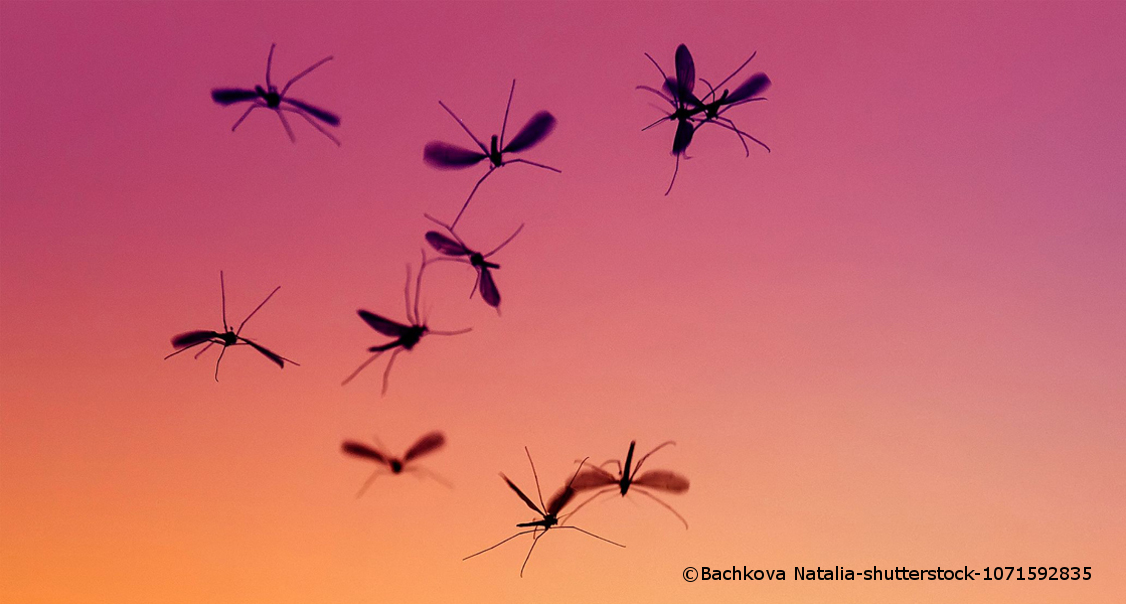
[
  {"x": 426, "y": 444},
  {"x": 554, "y": 505},
  {"x": 384, "y": 326},
  {"x": 195, "y": 338},
  {"x": 663, "y": 480},
  {"x": 445, "y": 156},
  {"x": 227, "y": 96},
  {"x": 489, "y": 292}
]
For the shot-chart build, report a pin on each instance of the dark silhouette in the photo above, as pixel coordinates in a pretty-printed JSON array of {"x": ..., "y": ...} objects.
[
  {"x": 271, "y": 98},
  {"x": 226, "y": 338},
  {"x": 456, "y": 248},
  {"x": 690, "y": 112},
  {"x": 406, "y": 336},
  {"x": 597, "y": 478},
  {"x": 445, "y": 156},
  {"x": 549, "y": 514},
  {"x": 428, "y": 443}
]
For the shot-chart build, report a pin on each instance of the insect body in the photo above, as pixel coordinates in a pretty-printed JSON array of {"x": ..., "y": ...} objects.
[
  {"x": 445, "y": 156},
  {"x": 456, "y": 249},
  {"x": 271, "y": 98},
  {"x": 428, "y": 443},
  {"x": 227, "y": 337},
  {"x": 663, "y": 480}
]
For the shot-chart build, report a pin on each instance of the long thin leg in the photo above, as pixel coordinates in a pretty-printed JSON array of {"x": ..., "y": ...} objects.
[
  {"x": 664, "y": 78},
  {"x": 637, "y": 468},
  {"x": 361, "y": 368},
  {"x": 504, "y": 124},
  {"x": 186, "y": 348},
  {"x": 736, "y": 71},
  {"x": 666, "y": 506},
  {"x": 217, "y": 361},
  {"x": 223, "y": 298},
  {"x": 675, "y": 169},
  {"x": 492, "y": 547},
  {"x": 239, "y": 330},
  {"x": 505, "y": 242},
  {"x": 464, "y": 127},
  {"x": 254, "y": 106},
  {"x": 536, "y": 476},
  {"x": 535, "y": 540},
  {"x": 584, "y": 531},
  {"x": 476, "y": 282},
  {"x": 304, "y": 73},
  {"x": 449, "y": 333},
  {"x": 663, "y": 119},
  {"x": 470, "y": 198},
  {"x": 583, "y": 504},
  {"x": 418, "y": 290},
  {"x": 387, "y": 372},
  {"x": 285, "y": 123},
  {"x": 741, "y": 134},
  {"x": 531, "y": 163},
  {"x": 205, "y": 348},
  {"x": 407, "y": 294},
  {"x": 367, "y": 483},
  {"x": 313, "y": 123},
  {"x": 424, "y": 473}
]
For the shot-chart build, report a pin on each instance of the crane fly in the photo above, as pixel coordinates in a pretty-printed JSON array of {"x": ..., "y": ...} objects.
[
  {"x": 661, "y": 480},
  {"x": 272, "y": 98},
  {"x": 406, "y": 336},
  {"x": 425, "y": 445},
  {"x": 226, "y": 338},
  {"x": 456, "y": 250},
  {"x": 549, "y": 514},
  {"x": 445, "y": 156},
  {"x": 690, "y": 112}
]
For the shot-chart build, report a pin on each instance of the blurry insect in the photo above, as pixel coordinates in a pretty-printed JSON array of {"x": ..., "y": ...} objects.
[
  {"x": 549, "y": 514},
  {"x": 691, "y": 112},
  {"x": 445, "y": 156},
  {"x": 427, "y": 444},
  {"x": 456, "y": 248},
  {"x": 191, "y": 339},
  {"x": 663, "y": 480},
  {"x": 271, "y": 98},
  {"x": 406, "y": 336}
]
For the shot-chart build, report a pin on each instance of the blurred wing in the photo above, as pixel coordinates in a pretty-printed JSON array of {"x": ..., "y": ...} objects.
[
  {"x": 426, "y": 444},
  {"x": 489, "y": 288},
  {"x": 663, "y": 480},
  {"x": 191, "y": 338},
  {"x": 532, "y": 133},
  {"x": 325, "y": 116},
  {"x": 445, "y": 156},
  {"x": 685, "y": 73},
  {"x": 593, "y": 478},
  {"x": 684, "y": 132},
  {"x": 560, "y": 499},
  {"x": 522, "y": 495},
  {"x": 752, "y": 87},
  {"x": 226, "y": 96},
  {"x": 386, "y": 327},
  {"x": 269, "y": 355},
  {"x": 445, "y": 245},
  {"x": 352, "y": 447}
]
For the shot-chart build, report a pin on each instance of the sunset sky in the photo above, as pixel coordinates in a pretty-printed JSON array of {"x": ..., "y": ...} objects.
[{"x": 895, "y": 340}]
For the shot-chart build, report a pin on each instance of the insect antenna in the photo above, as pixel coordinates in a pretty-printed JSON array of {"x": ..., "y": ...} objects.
[
  {"x": 304, "y": 73},
  {"x": 637, "y": 468},
  {"x": 464, "y": 127},
  {"x": 505, "y": 242},
  {"x": 269, "y": 61},
  {"x": 536, "y": 476},
  {"x": 256, "y": 309}
]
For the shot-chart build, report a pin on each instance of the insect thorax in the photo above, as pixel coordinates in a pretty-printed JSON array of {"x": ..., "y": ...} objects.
[{"x": 396, "y": 466}]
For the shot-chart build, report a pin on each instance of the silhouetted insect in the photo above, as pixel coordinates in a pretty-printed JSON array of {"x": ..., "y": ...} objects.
[
  {"x": 406, "y": 336},
  {"x": 445, "y": 156},
  {"x": 423, "y": 446},
  {"x": 271, "y": 98},
  {"x": 549, "y": 514},
  {"x": 688, "y": 109},
  {"x": 227, "y": 337},
  {"x": 596, "y": 478},
  {"x": 456, "y": 249}
]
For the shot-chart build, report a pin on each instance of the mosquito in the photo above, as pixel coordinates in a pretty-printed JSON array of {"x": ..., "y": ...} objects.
[
  {"x": 226, "y": 338},
  {"x": 445, "y": 156},
  {"x": 549, "y": 514},
  {"x": 662, "y": 480},
  {"x": 425, "y": 445},
  {"x": 691, "y": 112},
  {"x": 406, "y": 336},
  {"x": 455, "y": 249},
  {"x": 270, "y": 98}
]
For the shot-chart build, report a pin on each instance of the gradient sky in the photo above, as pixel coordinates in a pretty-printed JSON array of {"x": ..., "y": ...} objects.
[{"x": 896, "y": 340}]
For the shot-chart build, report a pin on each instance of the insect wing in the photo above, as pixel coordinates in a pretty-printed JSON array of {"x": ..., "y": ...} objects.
[
  {"x": 560, "y": 499},
  {"x": 445, "y": 245},
  {"x": 532, "y": 133},
  {"x": 445, "y": 156},
  {"x": 489, "y": 291},
  {"x": 593, "y": 478},
  {"x": 325, "y": 116},
  {"x": 226, "y": 96},
  {"x": 269, "y": 354},
  {"x": 522, "y": 495},
  {"x": 684, "y": 132},
  {"x": 752, "y": 87},
  {"x": 685, "y": 73},
  {"x": 386, "y": 327},
  {"x": 426, "y": 444},
  {"x": 191, "y": 338},
  {"x": 663, "y": 480},
  {"x": 352, "y": 447}
]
